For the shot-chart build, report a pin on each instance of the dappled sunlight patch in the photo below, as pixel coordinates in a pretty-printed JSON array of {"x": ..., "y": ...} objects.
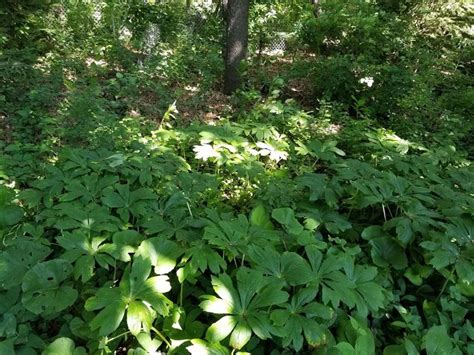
[
  {"x": 274, "y": 154},
  {"x": 99, "y": 63},
  {"x": 205, "y": 151},
  {"x": 391, "y": 141}
]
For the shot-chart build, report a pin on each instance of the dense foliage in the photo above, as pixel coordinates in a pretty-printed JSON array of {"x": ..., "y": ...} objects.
[{"x": 325, "y": 208}]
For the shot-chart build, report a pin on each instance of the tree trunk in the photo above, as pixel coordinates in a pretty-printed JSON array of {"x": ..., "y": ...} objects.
[{"x": 236, "y": 13}]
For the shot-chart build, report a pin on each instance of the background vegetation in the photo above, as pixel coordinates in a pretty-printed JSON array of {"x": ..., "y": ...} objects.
[{"x": 326, "y": 207}]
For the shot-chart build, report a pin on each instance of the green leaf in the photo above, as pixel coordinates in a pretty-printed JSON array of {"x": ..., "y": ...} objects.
[
  {"x": 222, "y": 285},
  {"x": 373, "y": 232},
  {"x": 18, "y": 258},
  {"x": 295, "y": 269},
  {"x": 201, "y": 347},
  {"x": 8, "y": 325},
  {"x": 42, "y": 289},
  {"x": 269, "y": 295},
  {"x": 7, "y": 346},
  {"x": 259, "y": 217},
  {"x": 394, "y": 350},
  {"x": 289, "y": 266},
  {"x": 316, "y": 184},
  {"x": 386, "y": 252},
  {"x": 286, "y": 217},
  {"x": 365, "y": 344},
  {"x": 161, "y": 253},
  {"x": 10, "y": 215},
  {"x": 152, "y": 292},
  {"x": 417, "y": 273},
  {"x": 221, "y": 329},
  {"x": 63, "y": 346},
  {"x": 114, "y": 306},
  {"x": 404, "y": 231},
  {"x": 314, "y": 333},
  {"x": 139, "y": 317},
  {"x": 437, "y": 341},
  {"x": 240, "y": 336},
  {"x": 344, "y": 348},
  {"x": 216, "y": 305},
  {"x": 146, "y": 342},
  {"x": 109, "y": 319},
  {"x": 112, "y": 199},
  {"x": 124, "y": 243}
]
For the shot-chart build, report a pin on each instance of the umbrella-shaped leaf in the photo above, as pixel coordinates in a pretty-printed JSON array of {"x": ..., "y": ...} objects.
[
  {"x": 240, "y": 336},
  {"x": 63, "y": 346},
  {"x": 139, "y": 317},
  {"x": 42, "y": 289},
  {"x": 18, "y": 258},
  {"x": 109, "y": 319},
  {"x": 161, "y": 253},
  {"x": 221, "y": 329}
]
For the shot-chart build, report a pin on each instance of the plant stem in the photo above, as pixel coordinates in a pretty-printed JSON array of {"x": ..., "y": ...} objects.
[
  {"x": 116, "y": 337},
  {"x": 445, "y": 284},
  {"x": 161, "y": 336}
]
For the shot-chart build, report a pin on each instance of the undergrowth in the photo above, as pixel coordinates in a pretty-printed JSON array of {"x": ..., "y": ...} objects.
[
  {"x": 141, "y": 212},
  {"x": 250, "y": 235}
]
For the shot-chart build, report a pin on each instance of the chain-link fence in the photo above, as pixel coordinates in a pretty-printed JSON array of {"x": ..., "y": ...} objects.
[{"x": 277, "y": 43}]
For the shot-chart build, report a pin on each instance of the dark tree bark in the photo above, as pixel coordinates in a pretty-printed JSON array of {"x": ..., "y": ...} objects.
[{"x": 236, "y": 15}]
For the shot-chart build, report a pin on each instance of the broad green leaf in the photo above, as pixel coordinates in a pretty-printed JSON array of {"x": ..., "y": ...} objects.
[
  {"x": 43, "y": 292},
  {"x": 134, "y": 287},
  {"x": 240, "y": 336},
  {"x": 8, "y": 325},
  {"x": 146, "y": 342},
  {"x": 437, "y": 341},
  {"x": 386, "y": 252},
  {"x": 109, "y": 319},
  {"x": 394, "y": 350},
  {"x": 18, "y": 258},
  {"x": 365, "y": 344},
  {"x": 161, "y": 253},
  {"x": 10, "y": 215},
  {"x": 373, "y": 232},
  {"x": 260, "y": 324},
  {"x": 296, "y": 270},
  {"x": 152, "y": 292},
  {"x": 314, "y": 333},
  {"x": 84, "y": 268},
  {"x": 63, "y": 346},
  {"x": 216, "y": 305},
  {"x": 343, "y": 348},
  {"x": 286, "y": 217},
  {"x": 221, "y": 329},
  {"x": 201, "y": 347},
  {"x": 224, "y": 288},
  {"x": 124, "y": 243},
  {"x": 404, "y": 231},
  {"x": 269, "y": 295},
  {"x": 6, "y": 195},
  {"x": 417, "y": 273},
  {"x": 289, "y": 266},
  {"x": 7, "y": 346},
  {"x": 204, "y": 257},
  {"x": 316, "y": 184},
  {"x": 113, "y": 199},
  {"x": 139, "y": 317},
  {"x": 260, "y": 217}
]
